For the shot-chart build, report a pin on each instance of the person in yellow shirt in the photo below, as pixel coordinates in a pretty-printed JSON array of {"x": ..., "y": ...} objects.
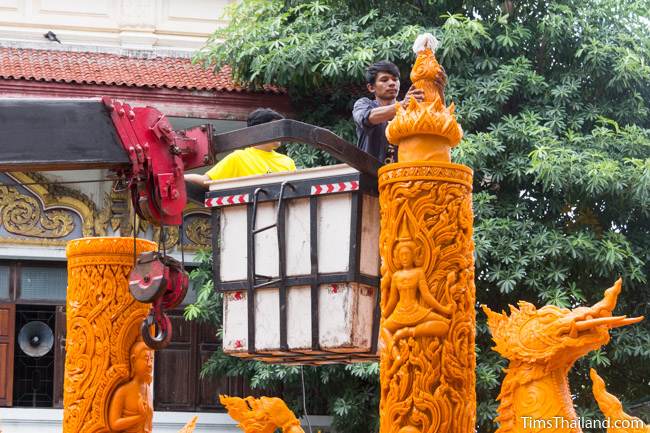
[{"x": 260, "y": 159}]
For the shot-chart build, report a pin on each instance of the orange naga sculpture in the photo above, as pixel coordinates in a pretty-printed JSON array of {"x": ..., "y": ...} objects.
[
  {"x": 542, "y": 346},
  {"x": 103, "y": 360},
  {"x": 261, "y": 415},
  {"x": 611, "y": 407},
  {"x": 190, "y": 426},
  {"x": 427, "y": 287}
]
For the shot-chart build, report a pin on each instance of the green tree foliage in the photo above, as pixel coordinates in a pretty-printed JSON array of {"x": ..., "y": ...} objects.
[{"x": 553, "y": 97}]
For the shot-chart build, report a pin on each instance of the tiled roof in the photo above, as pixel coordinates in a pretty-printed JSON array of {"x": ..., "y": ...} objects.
[{"x": 113, "y": 70}]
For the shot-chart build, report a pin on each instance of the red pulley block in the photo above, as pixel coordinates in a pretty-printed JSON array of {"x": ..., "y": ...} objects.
[
  {"x": 161, "y": 281},
  {"x": 179, "y": 282},
  {"x": 147, "y": 280}
]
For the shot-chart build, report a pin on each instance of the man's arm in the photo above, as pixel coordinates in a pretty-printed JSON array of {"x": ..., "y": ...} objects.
[
  {"x": 366, "y": 117},
  {"x": 384, "y": 114},
  {"x": 197, "y": 179},
  {"x": 361, "y": 111}
]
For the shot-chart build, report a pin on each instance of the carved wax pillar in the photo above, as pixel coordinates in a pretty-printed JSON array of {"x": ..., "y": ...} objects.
[
  {"x": 108, "y": 372},
  {"x": 427, "y": 286}
]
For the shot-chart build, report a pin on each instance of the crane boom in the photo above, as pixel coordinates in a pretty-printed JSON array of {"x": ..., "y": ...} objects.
[{"x": 58, "y": 134}]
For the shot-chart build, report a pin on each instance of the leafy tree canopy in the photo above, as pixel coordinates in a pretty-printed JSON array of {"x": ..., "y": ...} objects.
[{"x": 554, "y": 100}]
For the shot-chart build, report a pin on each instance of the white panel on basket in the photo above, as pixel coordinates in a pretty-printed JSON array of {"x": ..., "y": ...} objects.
[
  {"x": 297, "y": 237},
  {"x": 299, "y": 317},
  {"x": 336, "y": 304},
  {"x": 233, "y": 233},
  {"x": 266, "y": 242},
  {"x": 267, "y": 319},
  {"x": 334, "y": 233},
  {"x": 362, "y": 325},
  {"x": 235, "y": 322},
  {"x": 369, "y": 259}
]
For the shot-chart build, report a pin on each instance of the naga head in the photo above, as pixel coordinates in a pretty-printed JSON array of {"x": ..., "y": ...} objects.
[
  {"x": 261, "y": 415},
  {"x": 554, "y": 335}
]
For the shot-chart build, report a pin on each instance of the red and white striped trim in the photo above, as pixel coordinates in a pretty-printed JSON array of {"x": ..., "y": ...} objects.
[
  {"x": 226, "y": 200},
  {"x": 328, "y": 188}
]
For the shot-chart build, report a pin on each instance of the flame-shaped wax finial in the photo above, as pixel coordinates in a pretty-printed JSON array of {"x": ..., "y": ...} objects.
[
  {"x": 427, "y": 130},
  {"x": 425, "y": 41}
]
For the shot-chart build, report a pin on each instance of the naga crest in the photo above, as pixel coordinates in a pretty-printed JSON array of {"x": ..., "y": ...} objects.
[
  {"x": 612, "y": 408},
  {"x": 261, "y": 415},
  {"x": 552, "y": 334}
]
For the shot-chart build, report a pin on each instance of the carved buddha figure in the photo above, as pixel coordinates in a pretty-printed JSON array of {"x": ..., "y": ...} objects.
[
  {"x": 130, "y": 410},
  {"x": 411, "y": 310}
]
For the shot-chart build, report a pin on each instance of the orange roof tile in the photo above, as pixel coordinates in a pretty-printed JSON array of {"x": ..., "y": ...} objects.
[{"x": 114, "y": 70}]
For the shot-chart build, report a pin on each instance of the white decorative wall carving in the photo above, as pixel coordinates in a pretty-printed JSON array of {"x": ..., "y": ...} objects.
[{"x": 141, "y": 24}]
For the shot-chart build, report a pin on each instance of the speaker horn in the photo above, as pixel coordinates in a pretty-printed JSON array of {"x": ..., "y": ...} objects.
[{"x": 35, "y": 339}]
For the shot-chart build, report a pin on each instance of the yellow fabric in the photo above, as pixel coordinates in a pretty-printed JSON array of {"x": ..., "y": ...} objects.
[{"x": 250, "y": 161}]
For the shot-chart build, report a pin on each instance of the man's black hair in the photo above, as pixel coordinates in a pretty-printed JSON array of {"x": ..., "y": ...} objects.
[
  {"x": 262, "y": 115},
  {"x": 380, "y": 66}
]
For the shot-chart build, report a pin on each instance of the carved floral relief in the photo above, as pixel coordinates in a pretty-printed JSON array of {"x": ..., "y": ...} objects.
[
  {"x": 103, "y": 326},
  {"x": 34, "y": 211},
  {"x": 38, "y": 213}
]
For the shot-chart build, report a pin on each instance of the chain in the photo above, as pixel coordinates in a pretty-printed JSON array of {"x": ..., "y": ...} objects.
[
  {"x": 304, "y": 398},
  {"x": 135, "y": 252}
]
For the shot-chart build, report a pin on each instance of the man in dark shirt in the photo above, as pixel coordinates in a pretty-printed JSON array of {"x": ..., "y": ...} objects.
[{"x": 372, "y": 115}]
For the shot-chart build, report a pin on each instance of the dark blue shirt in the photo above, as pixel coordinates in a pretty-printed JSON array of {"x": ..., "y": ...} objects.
[{"x": 370, "y": 138}]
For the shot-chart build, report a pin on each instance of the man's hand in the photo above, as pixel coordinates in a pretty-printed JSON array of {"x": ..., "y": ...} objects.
[
  {"x": 413, "y": 92},
  {"x": 197, "y": 179}
]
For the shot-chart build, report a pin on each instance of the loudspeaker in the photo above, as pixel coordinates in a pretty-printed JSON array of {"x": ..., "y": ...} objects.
[
  {"x": 36, "y": 339},
  {"x": 34, "y": 356}
]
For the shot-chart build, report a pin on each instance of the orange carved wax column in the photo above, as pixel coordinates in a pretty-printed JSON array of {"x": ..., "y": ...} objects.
[
  {"x": 108, "y": 371},
  {"x": 427, "y": 286}
]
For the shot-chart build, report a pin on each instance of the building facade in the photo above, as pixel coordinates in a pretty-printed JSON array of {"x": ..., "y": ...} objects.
[{"x": 137, "y": 51}]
